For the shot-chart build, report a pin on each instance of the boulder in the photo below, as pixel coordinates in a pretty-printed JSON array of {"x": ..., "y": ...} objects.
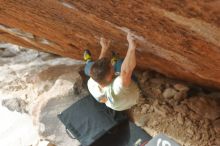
[
  {"x": 180, "y": 95},
  {"x": 169, "y": 93},
  {"x": 180, "y": 119},
  {"x": 182, "y": 108},
  {"x": 178, "y": 39},
  {"x": 205, "y": 106},
  {"x": 42, "y": 86},
  {"x": 181, "y": 87}
]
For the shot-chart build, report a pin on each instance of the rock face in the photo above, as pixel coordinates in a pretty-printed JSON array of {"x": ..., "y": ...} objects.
[
  {"x": 35, "y": 87},
  {"x": 178, "y": 38}
]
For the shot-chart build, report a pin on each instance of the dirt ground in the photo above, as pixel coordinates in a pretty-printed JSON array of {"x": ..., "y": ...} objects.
[{"x": 187, "y": 113}]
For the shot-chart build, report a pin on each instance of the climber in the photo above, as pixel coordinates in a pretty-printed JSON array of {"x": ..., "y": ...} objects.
[{"x": 111, "y": 79}]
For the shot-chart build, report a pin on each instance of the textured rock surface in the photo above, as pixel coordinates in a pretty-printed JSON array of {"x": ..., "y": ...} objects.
[
  {"x": 35, "y": 87},
  {"x": 217, "y": 126},
  {"x": 206, "y": 107},
  {"x": 178, "y": 38}
]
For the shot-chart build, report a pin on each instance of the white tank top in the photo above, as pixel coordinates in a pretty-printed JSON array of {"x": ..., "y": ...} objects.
[{"x": 119, "y": 97}]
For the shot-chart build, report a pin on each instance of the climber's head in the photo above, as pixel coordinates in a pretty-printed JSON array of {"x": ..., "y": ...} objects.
[{"x": 102, "y": 71}]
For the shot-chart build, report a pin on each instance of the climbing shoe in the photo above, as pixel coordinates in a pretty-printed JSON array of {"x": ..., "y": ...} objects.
[
  {"x": 87, "y": 55},
  {"x": 114, "y": 58}
]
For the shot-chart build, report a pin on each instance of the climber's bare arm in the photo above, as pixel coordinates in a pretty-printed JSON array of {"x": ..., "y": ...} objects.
[
  {"x": 129, "y": 62},
  {"x": 105, "y": 47}
]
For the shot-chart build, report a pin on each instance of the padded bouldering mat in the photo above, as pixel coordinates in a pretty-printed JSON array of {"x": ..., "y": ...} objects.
[
  {"x": 162, "y": 140},
  {"x": 94, "y": 124},
  {"x": 124, "y": 134}
]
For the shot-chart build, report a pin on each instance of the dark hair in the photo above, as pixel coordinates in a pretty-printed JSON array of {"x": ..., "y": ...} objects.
[{"x": 100, "y": 69}]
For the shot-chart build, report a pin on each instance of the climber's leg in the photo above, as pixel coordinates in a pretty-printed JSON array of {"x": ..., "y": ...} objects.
[
  {"x": 88, "y": 67},
  {"x": 117, "y": 68},
  {"x": 87, "y": 55},
  {"x": 88, "y": 58}
]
